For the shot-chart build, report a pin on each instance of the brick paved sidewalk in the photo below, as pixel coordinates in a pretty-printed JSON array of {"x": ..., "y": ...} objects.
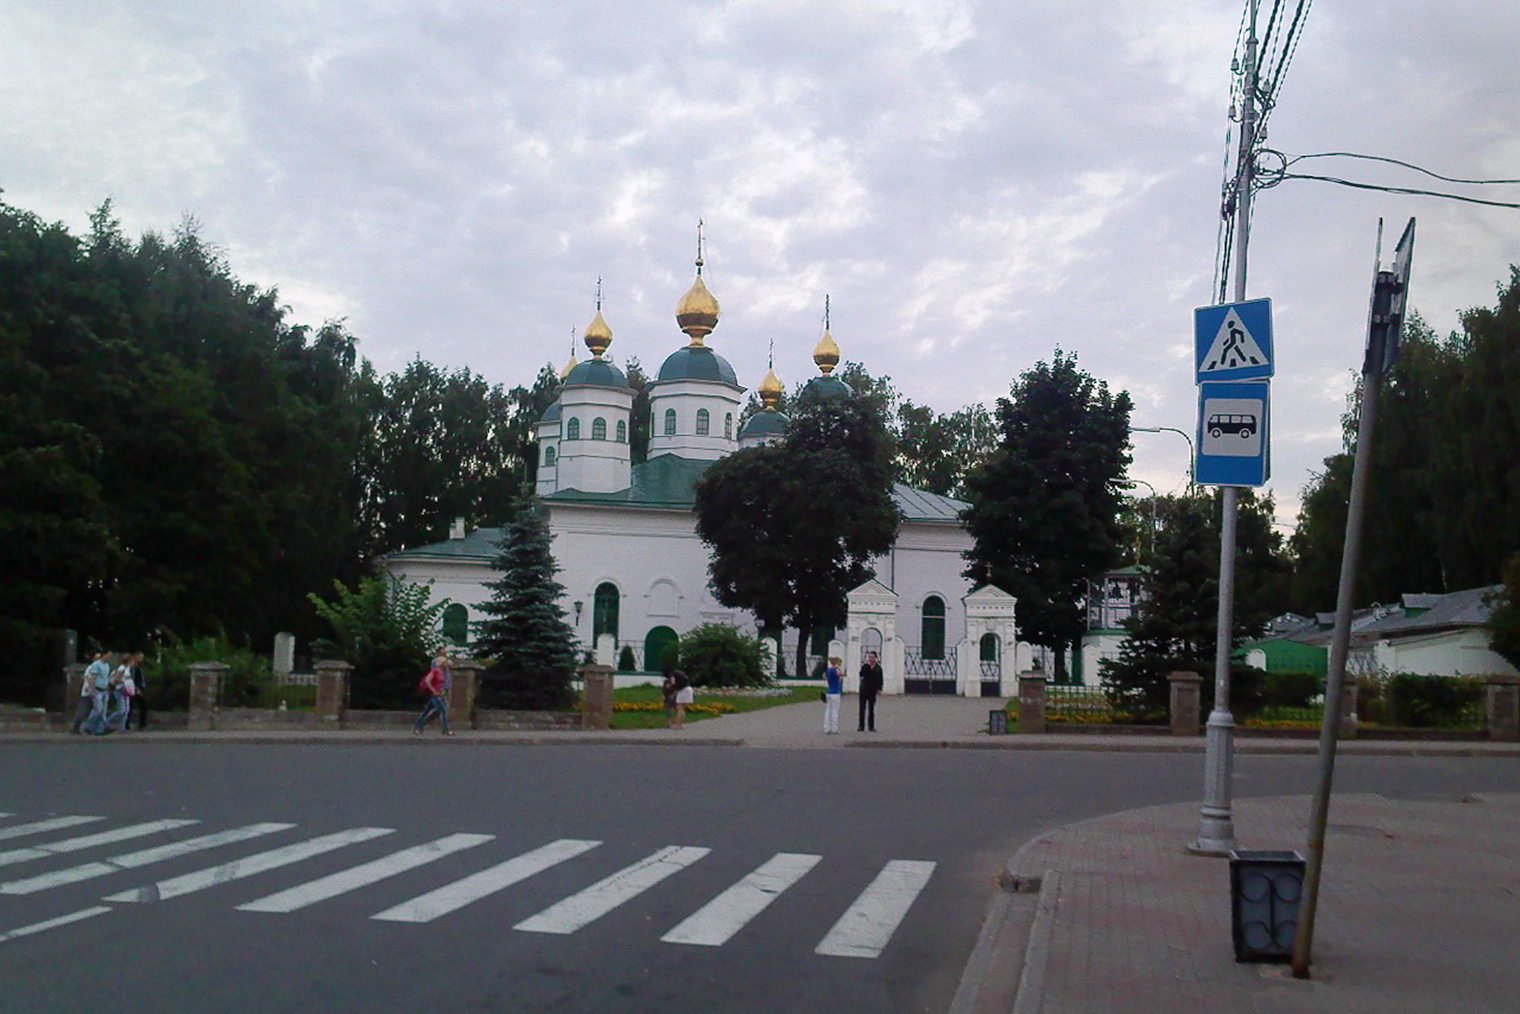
[{"x": 1419, "y": 912}]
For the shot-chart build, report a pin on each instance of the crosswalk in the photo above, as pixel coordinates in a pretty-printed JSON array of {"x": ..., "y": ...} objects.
[{"x": 863, "y": 929}]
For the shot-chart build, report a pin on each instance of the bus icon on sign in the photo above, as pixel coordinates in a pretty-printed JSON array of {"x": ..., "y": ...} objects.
[{"x": 1241, "y": 424}]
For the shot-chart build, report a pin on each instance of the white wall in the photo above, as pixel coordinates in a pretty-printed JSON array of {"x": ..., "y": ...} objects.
[{"x": 1450, "y": 653}]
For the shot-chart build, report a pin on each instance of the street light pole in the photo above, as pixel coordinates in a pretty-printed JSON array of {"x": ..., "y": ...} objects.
[
  {"x": 1216, "y": 823},
  {"x": 1181, "y": 433}
]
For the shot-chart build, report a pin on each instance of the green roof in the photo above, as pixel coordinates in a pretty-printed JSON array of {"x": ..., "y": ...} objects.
[
  {"x": 596, "y": 373},
  {"x": 764, "y": 424},
  {"x": 697, "y": 363}
]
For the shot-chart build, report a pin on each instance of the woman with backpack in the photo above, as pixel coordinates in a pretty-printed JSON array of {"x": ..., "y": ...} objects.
[{"x": 432, "y": 685}]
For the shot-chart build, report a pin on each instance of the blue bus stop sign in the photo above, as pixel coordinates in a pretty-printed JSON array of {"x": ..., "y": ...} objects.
[{"x": 1233, "y": 433}]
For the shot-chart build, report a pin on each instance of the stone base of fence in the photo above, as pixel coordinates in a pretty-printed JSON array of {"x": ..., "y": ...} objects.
[
  {"x": 1502, "y": 708},
  {"x": 1031, "y": 704},
  {"x": 527, "y": 721},
  {"x": 1184, "y": 710},
  {"x": 263, "y": 718}
]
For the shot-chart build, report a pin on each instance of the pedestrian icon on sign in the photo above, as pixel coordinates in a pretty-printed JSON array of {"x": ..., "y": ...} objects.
[{"x": 1233, "y": 347}]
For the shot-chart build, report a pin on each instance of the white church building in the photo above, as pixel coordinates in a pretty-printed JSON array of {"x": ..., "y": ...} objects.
[{"x": 634, "y": 570}]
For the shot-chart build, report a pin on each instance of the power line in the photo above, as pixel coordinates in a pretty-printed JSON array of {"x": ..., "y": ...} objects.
[{"x": 1391, "y": 161}]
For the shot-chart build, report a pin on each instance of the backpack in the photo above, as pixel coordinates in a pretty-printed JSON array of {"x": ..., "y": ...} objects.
[{"x": 425, "y": 685}]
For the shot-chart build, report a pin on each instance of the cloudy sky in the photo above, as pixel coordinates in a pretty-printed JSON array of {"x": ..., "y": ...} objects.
[{"x": 973, "y": 183}]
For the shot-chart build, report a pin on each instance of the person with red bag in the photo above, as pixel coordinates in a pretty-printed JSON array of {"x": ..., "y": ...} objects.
[{"x": 432, "y": 685}]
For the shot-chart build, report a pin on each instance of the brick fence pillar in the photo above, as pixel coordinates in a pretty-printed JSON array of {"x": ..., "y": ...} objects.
[
  {"x": 332, "y": 691},
  {"x": 596, "y": 697},
  {"x": 1503, "y": 708},
  {"x": 205, "y": 680},
  {"x": 1031, "y": 703},
  {"x": 1349, "y": 720},
  {"x": 73, "y": 682},
  {"x": 464, "y": 691},
  {"x": 1185, "y": 698}
]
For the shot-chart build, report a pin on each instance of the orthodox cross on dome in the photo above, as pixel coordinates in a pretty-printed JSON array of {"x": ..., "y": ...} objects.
[
  {"x": 598, "y": 335},
  {"x": 826, "y": 352},
  {"x": 699, "y": 246}
]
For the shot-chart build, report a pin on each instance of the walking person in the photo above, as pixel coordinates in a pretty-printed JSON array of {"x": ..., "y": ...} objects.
[
  {"x": 86, "y": 696},
  {"x": 831, "y": 694},
  {"x": 122, "y": 689},
  {"x": 98, "y": 678},
  {"x": 139, "y": 698},
  {"x": 684, "y": 695},
  {"x": 870, "y": 685},
  {"x": 668, "y": 691},
  {"x": 432, "y": 685}
]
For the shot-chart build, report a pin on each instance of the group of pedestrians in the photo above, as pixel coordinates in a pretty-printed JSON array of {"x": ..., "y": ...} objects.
[
  {"x": 110, "y": 694},
  {"x": 870, "y": 685}
]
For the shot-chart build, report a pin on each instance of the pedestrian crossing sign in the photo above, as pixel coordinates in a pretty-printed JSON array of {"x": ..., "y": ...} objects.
[{"x": 1234, "y": 341}]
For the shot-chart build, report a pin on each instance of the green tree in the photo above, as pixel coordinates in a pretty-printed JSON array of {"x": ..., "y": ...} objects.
[
  {"x": 1504, "y": 622},
  {"x": 792, "y": 526},
  {"x": 530, "y": 647},
  {"x": 1045, "y": 506},
  {"x": 938, "y": 452},
  {"x": 1174, "y": 626},
  {"x": 387, "y": 630},
  {"x": 721, "y": 655}
]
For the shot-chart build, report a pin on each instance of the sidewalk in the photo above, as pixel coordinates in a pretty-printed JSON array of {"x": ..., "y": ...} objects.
[
  {"x": 1419, "y": 912},
  {"x": 903, "y": 722}
]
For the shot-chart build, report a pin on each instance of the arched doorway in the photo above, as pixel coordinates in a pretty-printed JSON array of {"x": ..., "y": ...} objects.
[
  {"x": 456, "y": 624},
  {"x": 990, "y": 662},
  {"x": 659, "y": 648}
]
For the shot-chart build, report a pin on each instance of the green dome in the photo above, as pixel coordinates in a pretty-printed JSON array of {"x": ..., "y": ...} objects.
[
  {"x": 828, "y": 387},
  {"x": 698, "y": 362},
  {"x": 552, "y": 413},
  {"x": 764, "y": 424},
  {"x": 596, "y": 373}
]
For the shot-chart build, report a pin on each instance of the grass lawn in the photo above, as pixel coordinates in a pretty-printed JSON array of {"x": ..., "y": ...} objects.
[{"x": 644, "y": 707}]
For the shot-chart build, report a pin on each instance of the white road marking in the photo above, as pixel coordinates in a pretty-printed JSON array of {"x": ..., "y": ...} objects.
[
  {"x": 132, "y": 860},
  {"x": 865, "y": 928},
  {"x": 62, "y": 920},
  {"x": 39, "y": 826},
  {"x": 89, "y": 841},
  {"x": 714, "y": 923},
  {"x": 361, "y": 876},
  {"x": 602, "y": 897},
  {"x": 452, "y": 897},
  {"x": 247, "y": 867}
]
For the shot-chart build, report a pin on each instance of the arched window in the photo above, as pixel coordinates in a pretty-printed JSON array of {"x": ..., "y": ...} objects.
[
  {"x": 622, "y": 432},
  {"x": 549, "y": 456},
  {"x": 728, "y": 426},
  {"x": 604, "y": 610},
  {"x": 670, "y": 422},
  {"x": 599, "y": 428},
  {"x": 933, "y": 640},
  {"x": 989, "y": 648},
  {"x": 573, "y": 429},
  {"x": 702, "y": 422},
  {"x": 456, "y": 624}
]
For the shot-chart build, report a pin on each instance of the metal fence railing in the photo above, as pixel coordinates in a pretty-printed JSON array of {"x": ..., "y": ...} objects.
[{"x": 1082, "y": 705}]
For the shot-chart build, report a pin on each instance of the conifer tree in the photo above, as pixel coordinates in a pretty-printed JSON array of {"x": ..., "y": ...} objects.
[{"x": 530, "y": 647}]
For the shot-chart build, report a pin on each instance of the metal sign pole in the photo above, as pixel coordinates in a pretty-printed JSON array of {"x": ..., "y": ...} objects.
[{"x": 1389, "y": 291}]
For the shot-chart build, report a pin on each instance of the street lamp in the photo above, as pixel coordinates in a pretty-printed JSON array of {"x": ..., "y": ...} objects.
[
  {"x": 1180, "y": 433},
  {"x": 1148, "y": 486}
]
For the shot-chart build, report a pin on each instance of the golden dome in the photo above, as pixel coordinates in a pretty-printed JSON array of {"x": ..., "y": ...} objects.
[
  {"x": 770, "y": 390},
  {"x": 826, "y": 353},
  {"x": 572, "y": 364},
  {"x": 697, "y": 312},
  {"x": 598, "y": 335}
]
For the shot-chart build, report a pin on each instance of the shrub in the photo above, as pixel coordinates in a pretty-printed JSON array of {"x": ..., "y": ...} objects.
[
  {"x": 718, "y": 655},
  {"x": 167, "y": 673},
  {"x": 1423, "y": 702},
  {"x": 1291, "y": 689},
  {"x": 626, "y": 661}
]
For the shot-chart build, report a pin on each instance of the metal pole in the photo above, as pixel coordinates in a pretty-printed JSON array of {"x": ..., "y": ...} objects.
[
  {"x": 1180, "y": 433},
  {"x": 1216, "y": 825},
  {"x": 1340, "y": 643}
]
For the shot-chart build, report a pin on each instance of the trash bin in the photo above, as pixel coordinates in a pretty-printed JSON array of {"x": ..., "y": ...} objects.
[
  {"x": 997, "y": 722},
  {"x": 1265, "y": 887}
]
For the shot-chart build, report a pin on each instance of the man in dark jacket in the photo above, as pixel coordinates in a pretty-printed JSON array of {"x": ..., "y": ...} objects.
[{"x": 870, "y": 686}]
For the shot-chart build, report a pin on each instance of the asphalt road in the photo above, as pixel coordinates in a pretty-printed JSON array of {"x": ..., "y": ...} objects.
[{"x": 847, "y": 914}]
